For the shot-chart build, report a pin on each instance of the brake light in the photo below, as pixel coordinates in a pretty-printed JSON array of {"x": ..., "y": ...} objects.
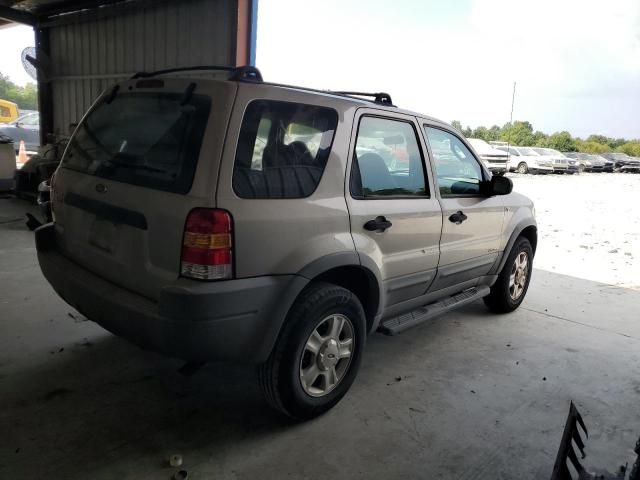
[{"x": 207, "y": 245}]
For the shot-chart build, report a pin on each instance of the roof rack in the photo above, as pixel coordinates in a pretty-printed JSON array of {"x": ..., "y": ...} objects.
[
  {"x": 245, "y": 73},
  {"x": 379, "y": 97}
]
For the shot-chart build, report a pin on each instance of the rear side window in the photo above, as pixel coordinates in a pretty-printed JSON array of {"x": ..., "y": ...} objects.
[
  {"x": 147, "y": 139},
  {"x": 283, "y": 149}
]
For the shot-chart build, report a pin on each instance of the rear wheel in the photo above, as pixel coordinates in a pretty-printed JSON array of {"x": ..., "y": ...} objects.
[
  {"x": 513, "y": 282},
  {"x": 523, "y": 168},
  {"x": 318, "y": 353}
]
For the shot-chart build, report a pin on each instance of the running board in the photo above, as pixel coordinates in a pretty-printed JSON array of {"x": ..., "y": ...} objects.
[{"x": 395, "y": 325}]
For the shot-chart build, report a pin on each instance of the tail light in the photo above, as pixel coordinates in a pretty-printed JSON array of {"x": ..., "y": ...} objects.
[{"x": 207, "y": 245}]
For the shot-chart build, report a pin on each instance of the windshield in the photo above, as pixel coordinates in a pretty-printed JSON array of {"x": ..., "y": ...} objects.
[
  {"x": 527, "y": 151},
  {"x": 148, "y": 139}
]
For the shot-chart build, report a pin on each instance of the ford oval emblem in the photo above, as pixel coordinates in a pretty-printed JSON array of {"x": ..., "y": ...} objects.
[{"x": 101, "y": 188}]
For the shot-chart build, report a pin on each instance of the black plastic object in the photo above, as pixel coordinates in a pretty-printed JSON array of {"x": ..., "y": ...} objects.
[
  {"x": 458, "y": 217},
  {"x": 378, "y": 97},
  {"x": 244, "y": 73},
  {"x": 379, "y": 224}
]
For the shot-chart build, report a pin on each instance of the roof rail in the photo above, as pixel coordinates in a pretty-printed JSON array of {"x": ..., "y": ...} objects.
[
  {"x": 245, "y": 73},
  {"x": 379, "y": 97}
]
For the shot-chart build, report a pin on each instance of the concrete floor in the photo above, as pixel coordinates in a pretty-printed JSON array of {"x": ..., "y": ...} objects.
[{"x": 468, "y": 396}]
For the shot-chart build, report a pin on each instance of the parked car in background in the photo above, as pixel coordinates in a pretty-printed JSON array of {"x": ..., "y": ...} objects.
[
  {"x": 526, "y": 160},
  {"x": 591, "y": 163},
  {"x": 8, "y": 111},
  {"x": 560, "y": 162},
  {"x": 27, "y": 128},
  {"x": 623, "y": 162},
  {"x": 583, "y": 163},
  {"x": 163, "y": 213},
  {"x": 496, "y": 160}
]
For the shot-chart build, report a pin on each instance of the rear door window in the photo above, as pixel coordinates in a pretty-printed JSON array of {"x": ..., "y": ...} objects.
[
  {"x": 282, "y": 149},
  {"x": 147, "y": 139}
]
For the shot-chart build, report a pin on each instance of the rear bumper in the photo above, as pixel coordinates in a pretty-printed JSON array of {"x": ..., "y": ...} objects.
[{"x": 236, "y": 320}]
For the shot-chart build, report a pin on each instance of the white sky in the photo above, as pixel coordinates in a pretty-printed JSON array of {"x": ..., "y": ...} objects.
[
  {"x": 12, "y": 41},
  {"x": 576, "y": 62}
]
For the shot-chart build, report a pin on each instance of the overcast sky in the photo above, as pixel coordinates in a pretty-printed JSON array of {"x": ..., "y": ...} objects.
[{"x": 576, "y": 62}]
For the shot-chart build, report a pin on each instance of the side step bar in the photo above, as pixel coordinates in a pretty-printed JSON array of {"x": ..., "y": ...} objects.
[{"x": 395, "y": 325}]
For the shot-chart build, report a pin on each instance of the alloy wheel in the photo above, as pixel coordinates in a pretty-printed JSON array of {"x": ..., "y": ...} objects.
[
  {"x": 519, "y": 274},
  {"x": 327, "y": 355}
]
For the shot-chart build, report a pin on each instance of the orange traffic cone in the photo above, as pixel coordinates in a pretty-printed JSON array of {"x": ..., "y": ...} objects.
[{"x": 22, "y": 153}]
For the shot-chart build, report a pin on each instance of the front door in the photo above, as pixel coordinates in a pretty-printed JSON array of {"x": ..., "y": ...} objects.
[
  {"x": 396, "y": 219},
  {"x": 472, "y": 222}
]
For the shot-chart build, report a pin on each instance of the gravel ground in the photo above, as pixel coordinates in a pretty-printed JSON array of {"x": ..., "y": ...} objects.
[{"x": 589, "y": 225}]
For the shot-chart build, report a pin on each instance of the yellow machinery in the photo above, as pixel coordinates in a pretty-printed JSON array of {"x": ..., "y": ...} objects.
[{"x": 8, "y": 111}]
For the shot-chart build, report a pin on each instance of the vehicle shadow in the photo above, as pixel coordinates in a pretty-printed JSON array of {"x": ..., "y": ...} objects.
[
  {"x": 101, "y": 408},
  {"x": 105, "y": 409}
]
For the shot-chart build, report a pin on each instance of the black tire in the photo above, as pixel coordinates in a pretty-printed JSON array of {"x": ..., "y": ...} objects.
[
  {"x": 279, "y": 376},
  {"x": 500, "y": 299},
  {"x": 581, "y": 169},
  {"x": 522, "y": 168}
]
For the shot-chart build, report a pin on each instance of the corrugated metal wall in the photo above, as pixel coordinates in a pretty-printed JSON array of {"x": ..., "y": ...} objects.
[{"x": 88, "y": 56}]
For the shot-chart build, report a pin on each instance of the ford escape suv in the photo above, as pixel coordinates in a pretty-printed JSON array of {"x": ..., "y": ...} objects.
[{"x": 234, "y": 219}]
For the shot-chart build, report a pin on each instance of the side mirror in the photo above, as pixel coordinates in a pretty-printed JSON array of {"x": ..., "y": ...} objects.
[
  {"x": 496, "y": 186},
  {"x": 18, "y": 124},
  {"x": 500, "y": 186}
]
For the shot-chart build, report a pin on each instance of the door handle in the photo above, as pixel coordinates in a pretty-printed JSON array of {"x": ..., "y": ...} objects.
[
  {"x": 458, "y": 217},
  {"x": 379, "y": 224}
]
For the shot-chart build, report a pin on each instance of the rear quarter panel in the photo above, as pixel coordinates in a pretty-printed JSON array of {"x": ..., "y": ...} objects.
[{"x": 282, "y": 236}]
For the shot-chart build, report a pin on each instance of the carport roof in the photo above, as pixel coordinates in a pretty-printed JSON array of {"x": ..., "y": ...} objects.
[{"x": 32, "y": 12}]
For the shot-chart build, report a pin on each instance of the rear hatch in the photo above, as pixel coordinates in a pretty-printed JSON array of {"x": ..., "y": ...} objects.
[{"x": 145, "y": 155}]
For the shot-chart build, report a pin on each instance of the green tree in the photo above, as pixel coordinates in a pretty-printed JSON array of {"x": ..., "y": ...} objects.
[
  {"x": 591, "y": 146},
  {"x": 26, "y": 97},
  {"x": 518, "y": 133},
  {"x": 481, "y": 132},
  {"x": 630, "y": 148},
  {"x": 613, "y": 143},
  {"x": 494, "y": 132},
  {"x": 562, "y": 141},
  {"x": 540, "y": 139},
  {"x": 457, "y": 125}
]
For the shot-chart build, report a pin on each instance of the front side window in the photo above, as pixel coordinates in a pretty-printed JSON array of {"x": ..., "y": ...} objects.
[
  {"x": 282, "y": 149},
  {"x": 459, "y": 173},
  {"x": 387, "y": 160}
]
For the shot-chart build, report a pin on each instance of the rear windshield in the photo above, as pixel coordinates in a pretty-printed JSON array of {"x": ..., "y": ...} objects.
[
  {"x": 283, "y": 149},
  {"x": 147, "y": 139}
]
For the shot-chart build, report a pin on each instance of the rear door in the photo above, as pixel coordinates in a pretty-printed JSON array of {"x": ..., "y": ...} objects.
[
  {"x": 472, "y": 222},
  {"x": 144, "y": 156},
  {"x": 395, "y": 217}
]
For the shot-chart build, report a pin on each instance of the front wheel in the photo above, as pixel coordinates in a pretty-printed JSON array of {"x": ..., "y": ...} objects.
[
  {"x": 318, "y": 353},
  {"x": 513, "y": 282},
  {"x": 523, "y": 168}
]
